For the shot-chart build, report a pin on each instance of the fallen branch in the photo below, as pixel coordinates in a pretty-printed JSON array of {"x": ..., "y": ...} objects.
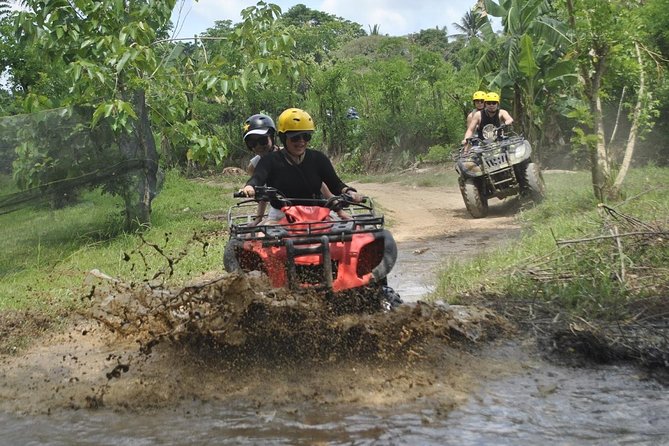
[{"x": 602, "y": 237}]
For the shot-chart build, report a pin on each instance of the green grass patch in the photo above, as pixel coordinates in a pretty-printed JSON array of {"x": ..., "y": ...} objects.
[
  {"x": 49, "y": 252},
  {"x": 7, "y": 184}
]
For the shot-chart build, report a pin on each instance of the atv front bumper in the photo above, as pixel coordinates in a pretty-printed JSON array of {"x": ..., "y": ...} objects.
[{"x": 337, "y": 260}]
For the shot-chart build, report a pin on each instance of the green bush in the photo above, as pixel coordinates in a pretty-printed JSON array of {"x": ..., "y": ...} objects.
[{"x": 438, "y": 154}]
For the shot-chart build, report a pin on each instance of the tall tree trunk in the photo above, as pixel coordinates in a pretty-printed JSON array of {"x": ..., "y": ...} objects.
[
  {"x": 139, "y": 148},
  {"x": 620, "y": 109},
  {"x": 592, "y": 70},
  {"x": 631, "y": 139},
  {"x": 601, "y": 172}
]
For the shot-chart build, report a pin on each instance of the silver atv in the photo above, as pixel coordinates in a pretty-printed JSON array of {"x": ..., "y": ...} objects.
[{"x": 497, "y": 166}]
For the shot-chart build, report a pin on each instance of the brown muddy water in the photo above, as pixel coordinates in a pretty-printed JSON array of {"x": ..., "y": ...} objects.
[
  {"x": 418, "y": 262},
  {"x": 427, "y": 374},
  {"x": 538, "y": 403}
]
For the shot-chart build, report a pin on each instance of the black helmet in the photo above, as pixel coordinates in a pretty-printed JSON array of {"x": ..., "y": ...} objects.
[{"x": 259, "y": 125}]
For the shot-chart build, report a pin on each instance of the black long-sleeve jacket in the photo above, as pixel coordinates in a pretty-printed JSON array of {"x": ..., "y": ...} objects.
[{"x": 301, "y": 180}]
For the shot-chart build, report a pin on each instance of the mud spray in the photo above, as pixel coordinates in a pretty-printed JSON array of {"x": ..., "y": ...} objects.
[{"x": 233, "y": 337}]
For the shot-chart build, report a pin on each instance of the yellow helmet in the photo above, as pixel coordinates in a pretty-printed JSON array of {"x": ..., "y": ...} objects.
[
  {"x": 479, "y": 95},
  {"x": 295, "y": 120},
  {"x": 492, "y": 97}
]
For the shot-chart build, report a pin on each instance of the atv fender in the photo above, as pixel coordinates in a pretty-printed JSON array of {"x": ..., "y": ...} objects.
[{"x": 381, "y": 271}]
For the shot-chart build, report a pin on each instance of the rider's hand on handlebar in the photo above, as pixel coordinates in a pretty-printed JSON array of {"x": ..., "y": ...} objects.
[
  {"x": 466, "y": 145},
  {"x": 355, "y": 196},
  {"x": 249, "y": 191}
]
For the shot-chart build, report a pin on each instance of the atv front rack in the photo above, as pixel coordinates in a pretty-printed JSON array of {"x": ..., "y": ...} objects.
[
  {"x": 362, "y": 220},
  {"x": 308, "y": 232},
  {"x": 491, "y": 159}
]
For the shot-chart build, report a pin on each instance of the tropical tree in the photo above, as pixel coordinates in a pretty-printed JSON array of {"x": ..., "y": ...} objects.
[
  {"x": 433, "y": 39},
  {"x": 317, "y": 33},
  {"x": 655, "y": 22},
  {"x": 471, "y": 26},
  {"x": 527, "y": 60},
  {"x": 606, "y": 33},
  {"x": 102, "y": 44},
  {"x": 116, "y": 66},
  {"x": 226, "y": 74}
]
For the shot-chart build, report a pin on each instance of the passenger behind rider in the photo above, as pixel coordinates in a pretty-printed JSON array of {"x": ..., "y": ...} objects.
[
  {"x": 479, "y": 102},
  {"x": 491, "y": 114},
  {"x": 295, "y": 170},
  {"x": 259, "y": 131}
]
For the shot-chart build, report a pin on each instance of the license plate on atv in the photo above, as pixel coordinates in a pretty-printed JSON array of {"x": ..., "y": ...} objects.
[{"x": 495, "y": 162}]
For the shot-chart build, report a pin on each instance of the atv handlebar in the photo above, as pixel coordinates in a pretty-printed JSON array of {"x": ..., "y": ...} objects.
[
  {"x": 498, "y": 130},
  {"x": 266, "y": 193},
  {"x": 338, "y": 202},
  {"x": 262, "y": 193}
]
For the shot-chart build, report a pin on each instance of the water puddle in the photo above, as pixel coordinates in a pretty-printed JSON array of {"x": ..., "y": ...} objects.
[
  {"x": 532, "y": 403},
  {"x": 418, "y": 262}
]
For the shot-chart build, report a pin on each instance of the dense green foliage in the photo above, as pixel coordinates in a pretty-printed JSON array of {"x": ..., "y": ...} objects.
[{"x": 564, "y": 69}]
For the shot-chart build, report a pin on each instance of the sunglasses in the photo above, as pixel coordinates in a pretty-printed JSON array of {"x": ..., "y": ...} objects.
[
  {"x": 490, "y": 103},
  {"x": 306, "y": 137},
  {"x": 479, "y": 100},
  {"x": 251, "y": 142}
]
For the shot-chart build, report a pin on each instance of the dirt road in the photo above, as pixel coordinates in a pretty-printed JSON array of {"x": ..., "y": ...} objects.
[
  {"x": 420, "y": 213},
  {"x": 432, "y": 227}
]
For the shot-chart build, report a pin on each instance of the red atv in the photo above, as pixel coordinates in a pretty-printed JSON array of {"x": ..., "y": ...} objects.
[{"x": 312, "y": 248}]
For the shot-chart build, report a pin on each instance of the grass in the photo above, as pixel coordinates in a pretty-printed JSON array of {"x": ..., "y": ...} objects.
[
  {"x": 47, "y": 253},
  {"x": 584, "y": 276}
]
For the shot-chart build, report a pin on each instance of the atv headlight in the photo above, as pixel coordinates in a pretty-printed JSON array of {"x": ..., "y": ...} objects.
[{"x": 519, "y": 152}]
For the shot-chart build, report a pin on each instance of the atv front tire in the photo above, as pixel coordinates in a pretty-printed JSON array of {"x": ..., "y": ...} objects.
[
  {"x": 534, "y": 183},
  {"x": 230, "y": 262},
  {"x": 476, "y": 203}
]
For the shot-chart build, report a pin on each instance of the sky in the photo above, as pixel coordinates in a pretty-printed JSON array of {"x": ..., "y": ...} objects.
[{"x": 394, "y": 17}]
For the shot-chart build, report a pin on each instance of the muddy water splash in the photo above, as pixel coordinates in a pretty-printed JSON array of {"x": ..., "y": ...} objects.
[{"x": 237, "y": 327}]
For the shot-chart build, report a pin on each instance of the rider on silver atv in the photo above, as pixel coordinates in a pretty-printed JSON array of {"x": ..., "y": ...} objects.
[
  {"x": 491, "y": 114},
  {"x": 491, "y": 117}
]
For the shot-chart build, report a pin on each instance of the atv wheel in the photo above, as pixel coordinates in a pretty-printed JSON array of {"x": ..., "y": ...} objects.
[
  {"x": 476, "y": 203},
  {"x": 229, "y": 258},
  {"x": 534, "y": 183},
  {"x": 369, "y": 299}
]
